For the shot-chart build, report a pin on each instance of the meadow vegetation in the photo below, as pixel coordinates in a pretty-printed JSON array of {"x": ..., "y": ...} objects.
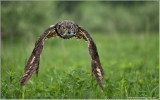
[{"x": 127, "y": 39}]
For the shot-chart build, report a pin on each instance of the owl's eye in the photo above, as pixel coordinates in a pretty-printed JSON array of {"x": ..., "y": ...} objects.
[{"x": 64, "y": 29}]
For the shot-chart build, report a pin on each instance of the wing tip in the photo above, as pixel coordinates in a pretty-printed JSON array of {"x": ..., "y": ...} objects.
[{"x": 22, "y": 82}]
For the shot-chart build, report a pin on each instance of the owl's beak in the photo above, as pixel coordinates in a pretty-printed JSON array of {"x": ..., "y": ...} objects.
[{"x": 69, "y": 31}]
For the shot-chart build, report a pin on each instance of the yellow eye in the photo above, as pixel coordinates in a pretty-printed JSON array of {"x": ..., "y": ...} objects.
[{"x": 64, "y": 29}]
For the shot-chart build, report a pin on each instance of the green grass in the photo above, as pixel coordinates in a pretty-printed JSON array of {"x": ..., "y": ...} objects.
[{"x": 130, "y": 63}]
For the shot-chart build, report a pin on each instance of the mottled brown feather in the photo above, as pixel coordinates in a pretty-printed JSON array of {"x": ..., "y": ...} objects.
[
  {"x": 95, "y": 62},
  {"x": 33, "y": 61}
]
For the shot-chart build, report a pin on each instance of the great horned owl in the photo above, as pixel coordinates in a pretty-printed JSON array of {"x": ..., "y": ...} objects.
[{"x": 65, "y": 30}]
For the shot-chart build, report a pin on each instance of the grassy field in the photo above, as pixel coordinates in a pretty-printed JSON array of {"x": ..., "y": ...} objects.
[{"x": 130, "y": 63}]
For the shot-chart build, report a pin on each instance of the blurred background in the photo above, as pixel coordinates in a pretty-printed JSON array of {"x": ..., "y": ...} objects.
[
  {"x": 31, "y": 18},
  {"x": 126, "y": 36}
]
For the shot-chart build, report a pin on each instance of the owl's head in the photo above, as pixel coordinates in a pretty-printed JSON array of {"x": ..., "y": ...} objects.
[{"x": 67, "y": 29}]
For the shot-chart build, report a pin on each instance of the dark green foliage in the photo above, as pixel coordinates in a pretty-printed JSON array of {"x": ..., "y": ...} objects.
[{"x": 28, "y": 19}]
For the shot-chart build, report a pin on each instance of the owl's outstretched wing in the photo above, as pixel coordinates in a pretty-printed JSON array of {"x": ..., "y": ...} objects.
[
  {"x": 33, "y": 61},
  {"x": 95, "y": 62}
]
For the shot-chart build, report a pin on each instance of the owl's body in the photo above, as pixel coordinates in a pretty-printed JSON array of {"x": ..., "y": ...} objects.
[{"x": 65, "y": 30}]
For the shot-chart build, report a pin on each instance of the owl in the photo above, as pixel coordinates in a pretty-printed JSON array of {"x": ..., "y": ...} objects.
[{"x": 64, "y": 29}]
